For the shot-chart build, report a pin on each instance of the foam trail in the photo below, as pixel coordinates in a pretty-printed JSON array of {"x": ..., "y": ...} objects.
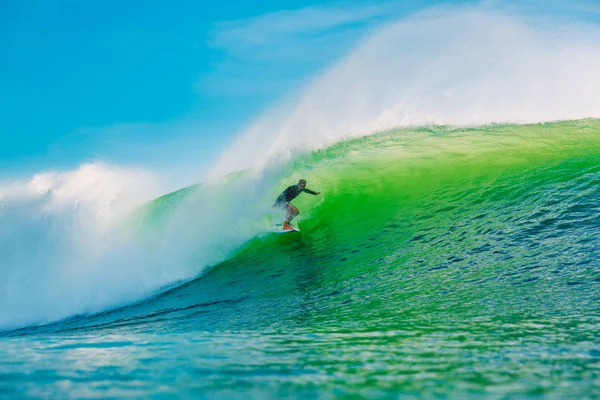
[{"x": 467, "y": 66}]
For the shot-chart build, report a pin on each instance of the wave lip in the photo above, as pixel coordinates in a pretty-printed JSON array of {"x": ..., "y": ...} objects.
[{"x": 466, "y": 66}]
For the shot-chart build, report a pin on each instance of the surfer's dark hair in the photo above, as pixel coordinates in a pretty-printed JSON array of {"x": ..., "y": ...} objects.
[{"x": 302, "y": 180}]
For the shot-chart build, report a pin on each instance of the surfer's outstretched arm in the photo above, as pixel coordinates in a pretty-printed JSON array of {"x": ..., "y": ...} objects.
[{"x": 310, "y": 192}]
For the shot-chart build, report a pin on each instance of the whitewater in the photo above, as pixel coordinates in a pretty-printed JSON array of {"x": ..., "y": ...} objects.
[{"x": 453, "y": 251}]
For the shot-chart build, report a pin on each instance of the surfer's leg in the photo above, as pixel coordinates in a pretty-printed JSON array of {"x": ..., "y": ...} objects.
[
  {"x": 288, "y": 217},
  {"x": 292, "y": 211}
]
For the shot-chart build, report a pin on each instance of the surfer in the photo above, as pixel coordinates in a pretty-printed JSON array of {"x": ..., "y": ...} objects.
[{"x": 288, "y": 195}]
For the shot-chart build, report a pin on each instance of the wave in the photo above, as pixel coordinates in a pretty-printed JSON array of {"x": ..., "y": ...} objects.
[{"x": 412, "y": 224}]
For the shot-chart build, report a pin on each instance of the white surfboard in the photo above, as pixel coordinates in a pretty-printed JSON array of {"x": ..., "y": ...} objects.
[{"x": 286, "y": 231}]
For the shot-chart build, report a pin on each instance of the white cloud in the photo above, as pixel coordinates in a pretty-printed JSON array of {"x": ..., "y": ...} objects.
[{"x": 243, "y": 37}]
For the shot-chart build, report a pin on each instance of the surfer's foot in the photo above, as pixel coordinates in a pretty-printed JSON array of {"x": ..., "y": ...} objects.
[{"x": 287, "y": 227}]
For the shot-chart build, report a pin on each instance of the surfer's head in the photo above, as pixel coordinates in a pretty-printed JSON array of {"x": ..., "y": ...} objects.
[{"x": 302, "y": 184}]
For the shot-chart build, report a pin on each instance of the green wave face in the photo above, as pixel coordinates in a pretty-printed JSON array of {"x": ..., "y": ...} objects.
[
  {"x": 442, "y": 225},
  {"x": 490, "y": 224}
]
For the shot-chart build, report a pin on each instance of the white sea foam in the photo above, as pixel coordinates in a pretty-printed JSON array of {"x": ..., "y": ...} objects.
[
  {"x": 56, "y": 234},
  {"x": 67, "y": 246}
]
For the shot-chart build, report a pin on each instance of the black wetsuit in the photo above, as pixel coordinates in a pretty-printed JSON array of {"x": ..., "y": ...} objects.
[{"x": 290, "y": 194}]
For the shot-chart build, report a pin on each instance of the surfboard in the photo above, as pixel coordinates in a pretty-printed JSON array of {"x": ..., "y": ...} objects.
[{"x": 287, "y": 231}]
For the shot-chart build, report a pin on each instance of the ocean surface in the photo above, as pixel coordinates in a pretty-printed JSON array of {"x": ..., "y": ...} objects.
[{"x": 437, "y": 262}]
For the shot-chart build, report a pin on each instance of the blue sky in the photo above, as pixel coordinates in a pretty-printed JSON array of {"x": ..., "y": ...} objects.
[
  {"x": 164, "y": 85},
  {"x": 157, "y": 83}
]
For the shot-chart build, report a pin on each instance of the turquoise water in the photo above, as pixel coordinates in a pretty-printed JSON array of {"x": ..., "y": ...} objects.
[{"x": 437, "y": 262}]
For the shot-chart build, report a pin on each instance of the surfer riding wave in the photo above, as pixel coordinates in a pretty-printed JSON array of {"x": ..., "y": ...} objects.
[{"x": 285, "y": 198}]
